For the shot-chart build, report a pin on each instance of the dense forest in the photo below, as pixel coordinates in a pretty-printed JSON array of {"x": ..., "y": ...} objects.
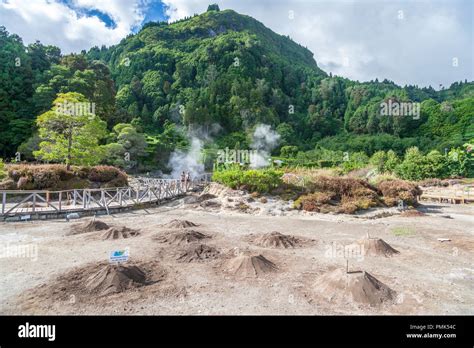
[{"x": 219, "y": 73}]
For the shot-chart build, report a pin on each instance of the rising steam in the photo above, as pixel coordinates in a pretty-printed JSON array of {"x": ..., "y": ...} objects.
[{"x": 264, "y": 140}]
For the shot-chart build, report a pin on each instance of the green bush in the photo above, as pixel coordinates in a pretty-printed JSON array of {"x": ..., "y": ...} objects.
[
  {"x": 416, "y": 166},
  {"x": 289, "y": 151},
  {"x": 356, "y": 160},
  {"x": 391, "y": 162},
  {"x": 258, "y": 180},
  {"x": 3, "y": 173},
  {"x": 378, "y": 160},
  {"x": 457, "y": 163}
]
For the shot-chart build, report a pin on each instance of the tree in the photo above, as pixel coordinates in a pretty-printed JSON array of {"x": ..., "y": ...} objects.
[
  {"x": 70, "y": 133},
  {"x": 378, "y": 160},
  {"x": 213, "y": 7},
  {"x": 413, "y": 166},
  {"x": 127, "y": 147},
  {"x": 289, "y": 151},
  {"x": 392, "y": 161}
]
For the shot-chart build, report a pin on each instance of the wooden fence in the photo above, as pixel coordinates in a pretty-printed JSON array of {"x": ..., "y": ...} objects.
[{"x": 149, "y": 190}]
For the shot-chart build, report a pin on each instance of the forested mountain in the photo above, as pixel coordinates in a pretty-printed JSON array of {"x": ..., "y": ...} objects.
[{"x": 222, "y": 68}]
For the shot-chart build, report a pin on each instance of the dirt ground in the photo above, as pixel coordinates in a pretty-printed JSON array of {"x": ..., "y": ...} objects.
[{"x": 427, "y": 276}]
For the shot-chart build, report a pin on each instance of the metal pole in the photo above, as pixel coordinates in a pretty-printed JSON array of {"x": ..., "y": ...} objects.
[{"x": 4, "y": 202}]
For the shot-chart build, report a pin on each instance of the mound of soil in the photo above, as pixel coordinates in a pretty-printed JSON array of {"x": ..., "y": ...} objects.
[
  {"x": 90, "y": 226},
  {"x": 199, "y": 252},
  {"x": 358, "y": 286},
  {"x": 377, "y": 247},
  {"x": 276, "y": 240},
  {"x": 119, "y": 233},
  {"x": 180, "y": 224},
  {"x": 112, "y": 279},
  {"x": 94, "y": 280},
  {"x": 412, "y": 213},
  {"x": 181, "y": 237},
  {"x": 248, "y": 265}
]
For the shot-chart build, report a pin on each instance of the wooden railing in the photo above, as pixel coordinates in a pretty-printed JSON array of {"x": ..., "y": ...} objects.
[{"x": 150, "y": 190}]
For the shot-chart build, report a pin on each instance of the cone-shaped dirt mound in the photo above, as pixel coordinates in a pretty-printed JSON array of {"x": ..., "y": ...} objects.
[
  {"x": 276, "y": 240},
  {"x": 115, "y": 278},
  {"x": 248, "y": 265},
  {"x": 119, "y": 233},
  {"x": 377, "y": 247},
  {"x": 182, "y": 237},
  {"x": 198, "y": 252},
  {"x": 180, "y": 224},
  {"x": 358, "y": 286},
  {"x": 96, "y": 282},
  {"x": 90, "y": 226}
]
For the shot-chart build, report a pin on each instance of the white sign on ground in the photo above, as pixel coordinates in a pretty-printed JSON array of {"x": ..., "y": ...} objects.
[{"x": 118, "y": 256}]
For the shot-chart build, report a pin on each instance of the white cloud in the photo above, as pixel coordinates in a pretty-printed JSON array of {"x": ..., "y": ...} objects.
[
  {"x": 53, "y": 22},
  {"x": 178, "y": 9}
]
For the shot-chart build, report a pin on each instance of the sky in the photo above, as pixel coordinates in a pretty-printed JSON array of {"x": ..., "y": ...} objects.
[{"x": 417, "y": 42}]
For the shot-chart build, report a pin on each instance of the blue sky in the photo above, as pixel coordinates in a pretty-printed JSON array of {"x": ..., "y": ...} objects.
[{"x": 423, "y": 42}]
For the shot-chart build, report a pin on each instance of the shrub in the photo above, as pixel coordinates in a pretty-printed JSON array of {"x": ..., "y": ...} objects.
[
  {"x": 57, "y": 177},
  {"x": 391, "y": 162},
  {"x": 347, "y": 208},
  {"x": 104, "y": 174},
  {"x": 376, "y": 180},
  {"x": 43, "y": 179},
  {"x": 313, "y": 201},
  {"x": 3, "y": 173},
  {"x": 457, "y": 163},
  {"x": 289, "y": 151},
  {"x": 357, "y": 160},
  {"x": 349, "y": 187},
  {"x": 395, "y": 190},
  {"x": 259, "y": 180},
  {"x": 338, "y": 194},
  {"x": 413, "y": 166},
  {"x": 25, "y": 183},
  {"x": 378, "y": 160},
  {"x": 7, "y": 184}
]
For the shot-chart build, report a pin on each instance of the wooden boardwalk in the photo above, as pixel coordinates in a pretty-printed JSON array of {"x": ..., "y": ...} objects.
[
  {"x": 464, "y": 195},
  {"x": 146, "y": 191}
]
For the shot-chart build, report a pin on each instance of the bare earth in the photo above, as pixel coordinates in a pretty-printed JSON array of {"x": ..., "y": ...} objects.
[{"x": 228, "y": 276}]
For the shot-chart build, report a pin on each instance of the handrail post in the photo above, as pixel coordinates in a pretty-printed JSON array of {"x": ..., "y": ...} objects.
[
  {"x": 4, "y": 202},
  {"x": 60, "y": 200}
]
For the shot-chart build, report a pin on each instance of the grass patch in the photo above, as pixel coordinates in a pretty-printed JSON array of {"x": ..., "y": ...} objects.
[{"x": 403, "y": 231}]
